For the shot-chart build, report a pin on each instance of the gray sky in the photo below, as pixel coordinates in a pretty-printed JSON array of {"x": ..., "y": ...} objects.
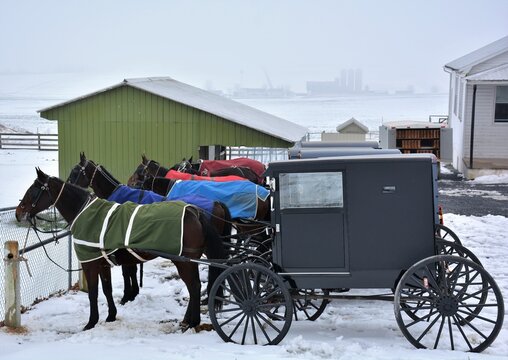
[{"x": 224, "y": 43}]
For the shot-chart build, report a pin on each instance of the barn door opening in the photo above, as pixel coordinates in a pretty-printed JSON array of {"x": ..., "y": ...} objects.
[{"x": 212, "y": 152}]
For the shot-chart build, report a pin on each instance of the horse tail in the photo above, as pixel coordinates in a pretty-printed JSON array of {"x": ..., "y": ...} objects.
[
  {"x": 214, "y": 250},
  {"x": 228, "y": 224}
]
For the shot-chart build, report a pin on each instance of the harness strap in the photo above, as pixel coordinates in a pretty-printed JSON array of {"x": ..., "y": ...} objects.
[
  {"x": 136, "y": 255},
  {"x": 193, "y": 250},
  {"x": 105, "y": 256}
]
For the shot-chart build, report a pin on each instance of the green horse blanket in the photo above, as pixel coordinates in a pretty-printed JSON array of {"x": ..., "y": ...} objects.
[{"x": 105, "y": 226}]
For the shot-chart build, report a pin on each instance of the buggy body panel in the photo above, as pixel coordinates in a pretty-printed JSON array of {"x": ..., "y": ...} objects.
[{"x": 352, "y": 222}]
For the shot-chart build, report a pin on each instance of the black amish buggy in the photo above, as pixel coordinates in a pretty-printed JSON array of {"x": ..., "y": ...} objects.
[{"x": 360, "y": 222}]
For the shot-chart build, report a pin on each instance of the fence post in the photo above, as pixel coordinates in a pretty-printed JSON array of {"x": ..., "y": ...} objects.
[
  {"x": 12, "y": 281},
  {"x": 39, "y": 141}
]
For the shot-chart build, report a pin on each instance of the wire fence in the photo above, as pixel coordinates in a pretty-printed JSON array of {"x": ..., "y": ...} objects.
[{"x": 40, "y": 277}]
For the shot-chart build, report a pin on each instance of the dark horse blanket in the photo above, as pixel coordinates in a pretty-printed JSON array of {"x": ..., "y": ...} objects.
[
  {"x": 209, "y": 166},
  {"x": 241, "y": 197},
  {"x": 177, "y": 175},
  {"x": 124, "y": 193},
  {"x": 105, "y": 226}
]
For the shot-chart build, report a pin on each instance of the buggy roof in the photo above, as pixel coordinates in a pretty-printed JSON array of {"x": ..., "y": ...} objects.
[{"x": 310, "y": 164}]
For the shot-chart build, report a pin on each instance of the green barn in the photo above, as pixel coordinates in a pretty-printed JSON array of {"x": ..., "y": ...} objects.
[{"x": 163, "y": 118}]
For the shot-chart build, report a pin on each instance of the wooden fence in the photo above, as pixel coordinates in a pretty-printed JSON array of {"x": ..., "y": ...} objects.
[{"x": 29, "y": 141}]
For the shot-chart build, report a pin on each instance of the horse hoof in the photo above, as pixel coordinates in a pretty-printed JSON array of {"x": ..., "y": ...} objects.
[
  {"x": 204, "y": 327},
  {"x": 88, "y": 327},
  {"x": 111, "y": 318}
]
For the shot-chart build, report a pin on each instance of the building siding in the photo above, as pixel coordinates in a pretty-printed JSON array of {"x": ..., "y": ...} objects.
[
  {"x": 489, "y": 136},
  {"x": 115, "y": 127}
]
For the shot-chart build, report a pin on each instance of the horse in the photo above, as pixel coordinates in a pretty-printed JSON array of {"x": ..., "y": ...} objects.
[
  {"x": 250, "y": 169},
  {"x": 194, "y": 232},
  {"x": 88, "y": 174},
  {"x": 153, "y": 168}
]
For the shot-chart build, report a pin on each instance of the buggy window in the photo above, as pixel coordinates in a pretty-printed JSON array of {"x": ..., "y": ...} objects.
[{"x": 311, "y": 190}]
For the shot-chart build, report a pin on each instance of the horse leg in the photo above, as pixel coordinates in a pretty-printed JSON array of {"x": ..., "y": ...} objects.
[
  {"x": 189, "y": 273},
  {"x": 130, "y": 283},
  {"x": 91, "y": 271},
  {"x": 107, "y": 289}
]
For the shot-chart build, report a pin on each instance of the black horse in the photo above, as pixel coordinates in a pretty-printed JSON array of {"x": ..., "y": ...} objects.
[
  {"x": 88, "y": 174},
  {"x": 198, "y": 237}
]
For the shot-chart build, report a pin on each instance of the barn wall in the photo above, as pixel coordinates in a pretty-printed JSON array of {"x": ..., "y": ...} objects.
[{"x": 115, "y": 127}]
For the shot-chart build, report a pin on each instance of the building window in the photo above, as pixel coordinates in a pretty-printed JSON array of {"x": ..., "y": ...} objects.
[
  {"x": 501, "y": 113},
  {"x": 311, "y": 190}
]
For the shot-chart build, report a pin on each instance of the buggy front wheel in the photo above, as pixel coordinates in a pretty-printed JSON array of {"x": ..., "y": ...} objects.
[{"x": 256, "y": 305}]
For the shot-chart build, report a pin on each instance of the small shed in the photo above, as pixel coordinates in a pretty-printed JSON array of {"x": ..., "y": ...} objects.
[
  {"x": 163, "y": 118},
  {"x": 478, "y": 109},
  {"x": 351, "y": 130},
  {"x": 417, "y": 137}
]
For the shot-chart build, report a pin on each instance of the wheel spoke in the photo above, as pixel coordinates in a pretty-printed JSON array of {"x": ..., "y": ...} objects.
[
  {"x": 439, "y": 332},
  {"x": 450, "y": 331},
  {"x": 236, "y": 327},
  {"x": 476, "y": 316},
  {"x": 268, "y": 322},
  {"x": 457, "y": 324},
  {"x": 428, "y": 328},
  {"x": 262, "y": 328},
  {"x": 468, "y": 323},
  {"x": 245, "y": 328},
  {"x": 426, "y": 317}
]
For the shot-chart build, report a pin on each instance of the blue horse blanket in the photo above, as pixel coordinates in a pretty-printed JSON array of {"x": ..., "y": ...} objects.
[
  {"x": 123, "y": 193},
  {"x": 239, "y": 196}
]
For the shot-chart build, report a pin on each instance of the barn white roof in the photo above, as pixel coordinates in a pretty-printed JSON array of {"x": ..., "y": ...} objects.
[
  {"x": 466, "y": 62},
  {"x": 223, "y": 107}
]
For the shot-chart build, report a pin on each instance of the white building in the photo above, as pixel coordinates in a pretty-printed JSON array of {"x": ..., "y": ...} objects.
[{"x": 478, "y": 109}]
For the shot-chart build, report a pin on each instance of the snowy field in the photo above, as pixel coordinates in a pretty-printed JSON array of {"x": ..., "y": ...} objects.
[{"x": 147, "y": 327}]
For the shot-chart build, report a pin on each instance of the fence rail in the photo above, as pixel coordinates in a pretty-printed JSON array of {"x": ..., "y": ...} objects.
[
  {"x": 29, "y": 141},
  {"x": 45, "y": 278}
]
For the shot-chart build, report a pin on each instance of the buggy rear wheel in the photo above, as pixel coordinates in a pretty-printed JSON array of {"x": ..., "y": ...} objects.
[
  {"x": 461, "y": 305},
  {"x": 445, "y": 233},
  {"x": 257, "y": 307},
  {"x": 306, "y": 303}
]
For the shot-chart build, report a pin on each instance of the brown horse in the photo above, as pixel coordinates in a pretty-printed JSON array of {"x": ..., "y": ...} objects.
[
  {"x": 88, "y": 174},
  {"x": 197, "y": 237},
  {"x": 153, "y": 168}
]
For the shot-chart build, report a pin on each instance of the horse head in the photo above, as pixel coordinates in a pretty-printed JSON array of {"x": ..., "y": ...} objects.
[
  {"x": 82, "y": 173},
  {"x": 139, "y": 174},
  {"x": 185, "y": 166},
  {"x": 37, "y": 198}
]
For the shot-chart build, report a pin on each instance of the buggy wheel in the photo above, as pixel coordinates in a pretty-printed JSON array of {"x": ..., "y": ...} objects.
[
  {"x": 445, "y": 233},
  {"x": 444, "y": 247},
  {"x": 306, "y": 303},
  {"x": 447, "y": 247},
  {"x": 461, "y": 305},
  {"x": 257, "y": 307}
]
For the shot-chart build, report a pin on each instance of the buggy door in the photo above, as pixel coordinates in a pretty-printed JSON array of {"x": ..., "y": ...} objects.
[{"x": 310, "y": 223}]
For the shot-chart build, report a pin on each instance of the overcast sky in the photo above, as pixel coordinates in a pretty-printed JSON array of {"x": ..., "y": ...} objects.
[{"x": 227, "y": 43}]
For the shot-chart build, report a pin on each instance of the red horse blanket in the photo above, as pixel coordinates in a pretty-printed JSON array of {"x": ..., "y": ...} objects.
[
  {"x": 176, "y": 175},
  {"x": 209, "y": 166}
]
